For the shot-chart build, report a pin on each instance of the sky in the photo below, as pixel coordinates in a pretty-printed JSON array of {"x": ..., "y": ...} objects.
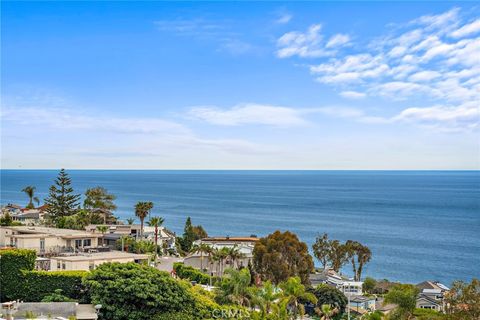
[{"x": 240, "y": 85}]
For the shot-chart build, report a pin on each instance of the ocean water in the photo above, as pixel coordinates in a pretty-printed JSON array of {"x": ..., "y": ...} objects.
[{"x": 420, "y": 225}]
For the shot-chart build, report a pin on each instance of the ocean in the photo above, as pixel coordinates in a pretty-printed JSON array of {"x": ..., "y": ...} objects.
[{"x": 420, "y": 225}]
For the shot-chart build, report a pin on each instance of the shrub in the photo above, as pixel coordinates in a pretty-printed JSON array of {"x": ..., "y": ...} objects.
[
  {"x": 330, "y": 296},
  {"x": 133, "y": 291},
  {"x": 18, "y": 280},
  {"x": 37, "y": 285},
  {"x": 12, "y": 263},
  {"x": 190, "y": 273}
]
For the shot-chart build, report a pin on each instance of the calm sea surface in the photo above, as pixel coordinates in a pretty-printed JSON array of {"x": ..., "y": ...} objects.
[{"x": 419, "y": 224}]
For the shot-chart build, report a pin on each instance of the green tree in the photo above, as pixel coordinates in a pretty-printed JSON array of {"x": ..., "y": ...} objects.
[
  {"x": 203, "y": 249},
  {"x": 99, "y": 199},
  {"x": 130, "y": 221},
  {"x": 359, "y": 255},
  {"x": 103, "y": 230},
  {"x": 405, "y": 297},
  {"x": 337, "y": 254},
  {"x": 6, "y": 220},
  {"x": 369, "y": 285},
  {"x": 295, "y": 293},
  {"x": 280, "y": 256},
  {"x": 61, "y": 202},
  {"x": 142, "y": 210},
  {"x": 234, "y": 287},
  {"x": 321, "y": 249},
  {"x": 30, "y": 192},
  {"x": 129, "y": 291},
  {"x": 330, "y": 296},
  {"x": 463, "y": 300},
  {"x": 264, "y": 297},
  {"x": 327, "y": 312},
  {"x": 56, "y": 296}
]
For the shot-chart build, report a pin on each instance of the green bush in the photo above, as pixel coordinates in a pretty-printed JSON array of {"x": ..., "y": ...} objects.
[
  {"x": 18, "y": 280},
  {"x": 190, "y": 273},
  {"x": 38, "y": 284},
  {"x": 175, "y": 316},
  {"x": 133, "y": 291},
  {"x": 12, "y": 263}
]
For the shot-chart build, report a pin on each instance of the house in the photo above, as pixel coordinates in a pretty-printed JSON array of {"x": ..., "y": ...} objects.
[
  {"x": 362, "y": 303},
  {"x": 431, "y": 295},
  {"x": 244, "y": 245},
  {"x": 342, "y": 283},
  {"x": 89, "y": 261},
  {"x": 165, "y": 237},
  {"x": 29, "y": 217},
  {"x": 47, "y": 241},
  {"x": 49, "y": 310}
]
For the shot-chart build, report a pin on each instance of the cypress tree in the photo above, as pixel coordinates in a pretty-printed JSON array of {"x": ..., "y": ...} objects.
[{"x": 62, "y": 201}]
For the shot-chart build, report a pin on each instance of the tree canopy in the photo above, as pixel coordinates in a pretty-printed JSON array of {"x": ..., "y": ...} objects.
[
  {"x": 280, "y": 256},
  {"x": 61, "y": 201}
]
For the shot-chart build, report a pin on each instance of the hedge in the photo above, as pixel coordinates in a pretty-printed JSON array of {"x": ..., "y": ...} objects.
[
  {"x": 12, "y": 262},
  {"x": 190, "y": 273},
  {"x": 38, "y": 284},
  {"x": 18, "y": 280}
]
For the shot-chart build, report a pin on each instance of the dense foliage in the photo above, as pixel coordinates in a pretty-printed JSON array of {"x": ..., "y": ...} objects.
[
  {"x": 20, "y": 281},
  {"x": 463, "y": 301},
  {"x": 405, "y": 297},
  {"x": 133, "y": 291},
  {"x": 99, "y": 200},
  {"x": 61, "y": 201},
  {"x": 191, "y": 233},
  {"x": 327, "y": 295},
  {"x": 12, "y": 263},
  {"x": 280, "y": 256},
  {"x": 190, "y": 273}
]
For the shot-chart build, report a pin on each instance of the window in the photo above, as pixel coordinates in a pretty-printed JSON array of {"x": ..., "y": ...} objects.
[
  {"x": 78, "y": 243},
  {"x": 64, "y": 266},
  {"x": 58, "y": 265},
  {"x": 87, "y": 243},
  {"x": 42, "y": 245}
]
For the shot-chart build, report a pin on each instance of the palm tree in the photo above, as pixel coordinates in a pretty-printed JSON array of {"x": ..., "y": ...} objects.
[
  {"x": 142, "y": 210},
  {"x": 235, "y": 285},
  {"x": 235, "y": 255},
  {"x": 264, "y": 297},
  {"x": 103, "y": 230},
  {"x": 30, "y": 191},
  {"x": 130, "y": 221},
  {"x": 327, "y": 312},
  {"x": 224, "y": 254},
  {"x": 202, "y": 248},
  {"x": 293, "y": 291},
  {"x": 156, "y": 222}
]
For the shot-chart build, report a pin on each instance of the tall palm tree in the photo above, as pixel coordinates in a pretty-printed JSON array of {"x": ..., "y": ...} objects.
[
  {"x": 235, "y": 286},
  {"x": 103, "y": 230},
  {"x": 293, "y": 291},
  {"x": 235, "y": 255},
  {"x": 30, "y": 191},
  {"x": 130, "y": 221},
  {"x": 142, "y": 210},
  {"x": 224, "y": 254},
  {"x": 156, "y": 222}
]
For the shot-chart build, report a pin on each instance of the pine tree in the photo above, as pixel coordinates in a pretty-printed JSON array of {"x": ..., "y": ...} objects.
[{"x": 61, "y": 201}]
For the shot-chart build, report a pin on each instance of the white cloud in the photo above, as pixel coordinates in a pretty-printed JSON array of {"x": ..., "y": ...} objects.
[
  {"x": 467, "y": 29},
  {"x": 284, "y": 18},
  {"x": 338, "y": 40},
  {"x": 302, "y": 44},
  {"x": 353, "y": 94},
  {"x": 426, "y": 75},
  {"x": 249, "y": 114}
]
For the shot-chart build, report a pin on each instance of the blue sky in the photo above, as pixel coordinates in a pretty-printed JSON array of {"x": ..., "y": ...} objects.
[{"x": 314, "y": 85}]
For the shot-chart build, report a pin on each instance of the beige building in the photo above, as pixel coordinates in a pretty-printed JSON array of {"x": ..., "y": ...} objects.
[
  {"x": 48, "y": 241},
  {"x": 89, "y": 261}
]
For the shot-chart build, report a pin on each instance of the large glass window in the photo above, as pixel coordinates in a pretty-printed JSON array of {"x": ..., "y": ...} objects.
[
  {"x": 87, "y": 242},
  {"x": 78, "y": 243}
]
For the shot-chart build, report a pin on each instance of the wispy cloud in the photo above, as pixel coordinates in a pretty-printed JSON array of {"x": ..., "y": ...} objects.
[
  {"x": 433, "y": 59},
  {"x": 249, "y": 114}
]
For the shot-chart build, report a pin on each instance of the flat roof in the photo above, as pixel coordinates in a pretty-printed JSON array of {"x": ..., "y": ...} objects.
[
  {"x": 101, "y": 256},
  {"x": 239, "y": 239},
  {"x": 64, "y": 233}
]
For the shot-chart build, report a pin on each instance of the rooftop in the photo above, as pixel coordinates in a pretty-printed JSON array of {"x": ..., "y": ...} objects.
[
  {"x": 230, "y": 239},
  {"x": 64, "y": 233},
  {"x": 109, "y": 255}
]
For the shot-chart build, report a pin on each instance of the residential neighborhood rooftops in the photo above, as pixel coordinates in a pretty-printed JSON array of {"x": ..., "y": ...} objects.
[
  {"x": 432, "y": 285},
  {"x": 234, "y": 239},
  {"x": 64, "y": 233},
  {"x": 108, "y": 255}
]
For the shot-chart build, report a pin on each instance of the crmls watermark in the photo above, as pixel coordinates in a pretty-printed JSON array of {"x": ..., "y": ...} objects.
[{"x": 230, "y": 314}]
